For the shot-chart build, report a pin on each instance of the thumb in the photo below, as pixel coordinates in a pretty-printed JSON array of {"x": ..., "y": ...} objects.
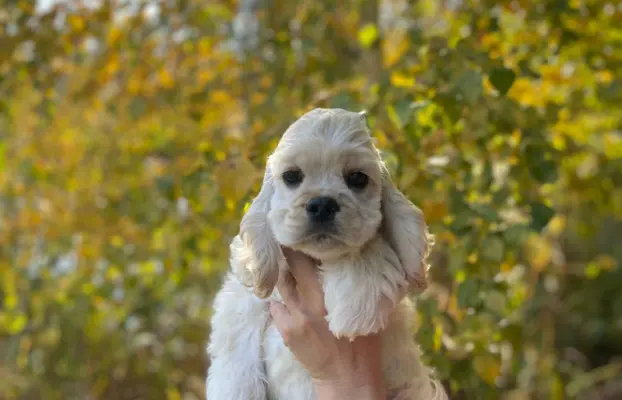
[{"x": 280, "y": 314}]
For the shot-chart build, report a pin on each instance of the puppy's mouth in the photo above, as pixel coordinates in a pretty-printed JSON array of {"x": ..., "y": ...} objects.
[
  {"x": 322, "y": 237},
  {"x": 322, "y": 232}
]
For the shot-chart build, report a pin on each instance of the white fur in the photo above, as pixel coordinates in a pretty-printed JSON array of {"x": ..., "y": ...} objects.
[{"x": 374, "y": 257}]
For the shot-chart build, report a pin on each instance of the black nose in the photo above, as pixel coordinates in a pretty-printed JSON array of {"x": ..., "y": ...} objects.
[{"x": 322, "y": 209}]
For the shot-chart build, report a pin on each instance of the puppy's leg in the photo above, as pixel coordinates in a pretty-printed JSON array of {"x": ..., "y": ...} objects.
[
  {"x": 362, "y": 290},
  {"x": 405, "y": 375},
  {"x": 236, "y": 370}
]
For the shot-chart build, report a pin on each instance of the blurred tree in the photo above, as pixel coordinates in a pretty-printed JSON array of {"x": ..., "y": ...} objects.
[{"x": 133, "y": 134}]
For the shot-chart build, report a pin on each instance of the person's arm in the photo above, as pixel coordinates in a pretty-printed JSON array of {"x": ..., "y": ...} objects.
[
  {"x": 367, "y": 388},
  {"x": 340, "y": 369},
  {"x": 332, "y": 392}
]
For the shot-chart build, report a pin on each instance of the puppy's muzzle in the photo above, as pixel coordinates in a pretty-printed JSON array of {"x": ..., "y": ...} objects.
[{"x": 322, "y": 210}]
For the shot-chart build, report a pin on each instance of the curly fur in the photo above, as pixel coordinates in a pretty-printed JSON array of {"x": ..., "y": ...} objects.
[{"x": 370, "y": 261}]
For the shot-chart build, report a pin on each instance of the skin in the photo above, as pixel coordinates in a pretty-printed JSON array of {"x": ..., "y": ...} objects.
[{"x": 339, "y": 368}]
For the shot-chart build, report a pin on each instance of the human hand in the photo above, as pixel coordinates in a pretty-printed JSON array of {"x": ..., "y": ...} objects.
[{"x": 339, "y": 368}]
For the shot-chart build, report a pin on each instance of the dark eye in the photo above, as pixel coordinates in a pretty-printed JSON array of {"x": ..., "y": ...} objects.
[
  {"x": 292, "y": 177},
  {"x": 357, "y": 180}
]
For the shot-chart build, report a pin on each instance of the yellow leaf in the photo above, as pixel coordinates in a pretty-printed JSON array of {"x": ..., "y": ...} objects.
[
  {"x": 453, "y": 309},
  {"x": 235, "y": 178},
  {"x": 116, "y": 241},
  {"x": 134, "y": 85},
  {"x": 434, "y": 210},
  {"x": 394, "y": 46},
  {"x": 206, "y": 76},
  {"x": 88, "y": 288},
  {"x": 487, "y": 367},
  {"x": 538, "y": 251},
  {"x": 604, "y": 76},
  {"x": 612, "y": 145},
  {"x": 114, "y": 35},
  {"x": 173, "y": 394},
  {"x": 165, "y": 78},
  {"x": 557, "y": 225},
  {"x": 76, "y": 22},
  {"x": 265, "y": 82},
  {"x": 258, "y": 98},
  {"x": 438, "y": 335},
  {"x": 158, "y": 241},
  {"x": 205, "y": 46},
  {"x": 402, "y": 80},
  {"x": 113, "y": 273},
  {"x": 17, "y": 324},
  {"x": 460, "y": 276},
  {"x": 368, "y": 35},
  {"x": 10, "y": 302},
  {"x": 606, "y": 262}
]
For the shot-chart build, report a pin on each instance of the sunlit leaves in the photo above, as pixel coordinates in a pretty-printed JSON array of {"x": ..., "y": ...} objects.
[
  {"x": 488, "y": 367},
  {"x": 368, "y": 35},
  {"x": 130, "y": 147}
]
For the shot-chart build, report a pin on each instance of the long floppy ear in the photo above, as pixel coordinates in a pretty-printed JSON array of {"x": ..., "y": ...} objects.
[
  {"x": 405, "y": 229},
  {"x": 255, "y": 253}
]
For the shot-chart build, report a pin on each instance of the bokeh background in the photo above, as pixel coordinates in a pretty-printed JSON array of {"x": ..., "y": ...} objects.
[{"x": 134, "y": 133}]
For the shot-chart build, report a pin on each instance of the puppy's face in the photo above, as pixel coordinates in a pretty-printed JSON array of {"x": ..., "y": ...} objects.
[
  {"x": 327, "y": 186},
  {"x": 326, "y": 192}
]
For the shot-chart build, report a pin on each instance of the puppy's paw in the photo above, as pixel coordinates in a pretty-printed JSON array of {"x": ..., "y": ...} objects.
[
  {"x": 361, "y": 292},
  {"x": 358, "y": 317}
]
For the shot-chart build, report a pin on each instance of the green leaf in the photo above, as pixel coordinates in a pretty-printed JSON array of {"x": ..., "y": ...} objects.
[
  {"x": 467, "y": 293},
  {"x": 342, "y": 100},
  {"x": 368, "y": 35},
  {"x": 541, "y": 214},
  {"x": 457, "y": 201},
  {"x": 545, "y": 171},
  {"x": 496, "y": 301},
  {"x": 493, "y": 249},
  {"x": 462, "y": 224},
  {"x": 400, "y": 113},
  {"x": 468, "y": 86},
  {"x": 515, "y": 235},
  {"x": 485, "y": 211},
  {"x": 502, "y": 79},
  {"x": 457, "y": 259}
]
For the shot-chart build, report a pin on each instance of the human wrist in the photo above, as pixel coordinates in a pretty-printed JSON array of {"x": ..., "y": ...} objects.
[
  {"x": 363, "y": 388},
  {"x": 336, "y": 391}
]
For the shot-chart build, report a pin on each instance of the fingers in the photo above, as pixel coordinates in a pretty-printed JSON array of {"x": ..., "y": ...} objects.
[
  {"x": 304, "y": 271},
  {"x": 279, "y": 314},
  {"x": 289, "y": 327},
  {"x": 301, "y": 265},
  {"x": 282, "y": 319},
  {"x": 287, "y": 288}
]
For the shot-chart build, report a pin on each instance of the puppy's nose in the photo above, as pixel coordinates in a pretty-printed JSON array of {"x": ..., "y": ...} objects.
[{"x": 322, "y": 209}]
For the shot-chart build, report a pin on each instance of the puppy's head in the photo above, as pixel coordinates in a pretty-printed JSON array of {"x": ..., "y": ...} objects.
[{"x": 326, "y": 192}]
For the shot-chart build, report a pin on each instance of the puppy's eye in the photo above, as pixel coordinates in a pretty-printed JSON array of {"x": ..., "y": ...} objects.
[
  {"x": 293, "y": 177},
  {"x": 357, "y": 180}
]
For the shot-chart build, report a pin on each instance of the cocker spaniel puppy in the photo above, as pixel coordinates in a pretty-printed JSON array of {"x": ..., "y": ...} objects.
[{"x": 326, "y": 193}]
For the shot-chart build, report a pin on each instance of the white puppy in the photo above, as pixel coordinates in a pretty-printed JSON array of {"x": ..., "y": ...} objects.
[{"x": 327, "y": 193}]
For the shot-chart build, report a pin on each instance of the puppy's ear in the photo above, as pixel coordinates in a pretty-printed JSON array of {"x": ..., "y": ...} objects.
[
  {"x": 255, "y": 252},
  {"x": 405, "y": 229}
]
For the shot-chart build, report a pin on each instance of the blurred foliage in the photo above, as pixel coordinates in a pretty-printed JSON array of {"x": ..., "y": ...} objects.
[{"x": 132, "y": 134}]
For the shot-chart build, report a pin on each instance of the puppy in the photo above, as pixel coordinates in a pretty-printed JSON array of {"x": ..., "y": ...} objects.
[{"x": 326, "y": 193}]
